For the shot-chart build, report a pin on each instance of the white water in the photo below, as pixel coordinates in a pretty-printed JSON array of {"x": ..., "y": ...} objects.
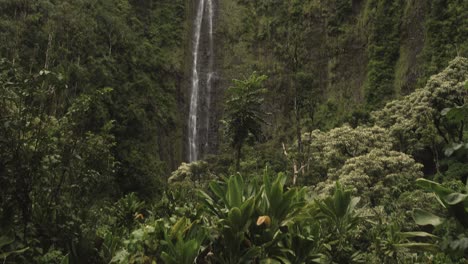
[
  {"x": 195, "y": 100},
  {"x": 209, "y": 75}
]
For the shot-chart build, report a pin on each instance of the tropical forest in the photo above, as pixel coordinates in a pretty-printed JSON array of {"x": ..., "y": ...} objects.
[{"x": 233, "y": 131}]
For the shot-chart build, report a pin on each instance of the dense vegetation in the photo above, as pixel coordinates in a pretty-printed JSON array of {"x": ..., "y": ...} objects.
[{"x": 343, "y": 139}]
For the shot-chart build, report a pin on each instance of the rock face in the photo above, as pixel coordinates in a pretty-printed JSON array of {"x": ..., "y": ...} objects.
[
  {"x": 339, "y": 58},
  {"x": 350, "y": 56},
  {"x": 202, "y": 119}
]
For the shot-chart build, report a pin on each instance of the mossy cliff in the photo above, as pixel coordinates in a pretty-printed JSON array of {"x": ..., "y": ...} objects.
[{"x": 332, "y": 61}]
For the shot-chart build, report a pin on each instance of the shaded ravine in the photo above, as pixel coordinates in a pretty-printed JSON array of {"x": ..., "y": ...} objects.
[{"x": 201, "y": 81}]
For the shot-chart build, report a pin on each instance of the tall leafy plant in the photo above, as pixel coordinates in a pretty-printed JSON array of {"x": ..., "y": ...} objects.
[
  {"x": 456, "y": 204},
  {"x": 233, "y": 206},
  {"x": 253, "y": 218},
  {"x": 244, "y": 115}
]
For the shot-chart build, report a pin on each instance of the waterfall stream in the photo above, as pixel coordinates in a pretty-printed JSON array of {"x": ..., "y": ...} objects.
[{"x": 202, "y": 78}]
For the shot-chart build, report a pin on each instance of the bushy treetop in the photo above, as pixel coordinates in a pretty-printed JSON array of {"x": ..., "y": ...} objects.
[{"x": 415, "y": 120}]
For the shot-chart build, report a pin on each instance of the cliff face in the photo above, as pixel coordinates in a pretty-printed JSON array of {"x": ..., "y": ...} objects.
[{"x": 333, "y": 61}]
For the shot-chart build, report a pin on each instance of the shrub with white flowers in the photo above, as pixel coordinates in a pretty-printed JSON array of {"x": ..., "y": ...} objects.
[{"x": 415, "y": 121}]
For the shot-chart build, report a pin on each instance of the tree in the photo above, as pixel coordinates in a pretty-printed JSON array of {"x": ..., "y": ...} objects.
[
  {"x": 417, "y": 120},
  {"x": 244, "y": 115},
  {"x": 51, "y": 166},
  {"x": 379, "y": 176}
]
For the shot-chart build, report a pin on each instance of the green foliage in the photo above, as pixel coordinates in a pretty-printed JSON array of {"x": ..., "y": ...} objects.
[
  {"x": 339, "y": 209},
  {"x": 458, "y": 116},
  {"x": 244, "y": 115},
  {"x": 339, "y": 213},
  {"x": 252, "y": 218},
  {"x": 5, "y": 253},
  {"x": 135, "y": 47},
  {"x": 71, "y": 144},
  {"x": 416, "y": 120},
  {"x": 358, "y": 54},
  {"x": 378, "y": 176},
  {"x": 52, "y": 166},
  {"x": 183, "y": 243},
  {"x": 195, "y": 171},
  {"x": 329, "y": 150},
  {"x": 178, "y": 243},
  {"x": 91, "y": 95},
  {"x": 53, "y": 256},
  {"x": 127, "y": 208},
  {"x": 235, "y": 215},
  {"x": 382, "y": 51},
  {"x": 264, "y": 221},
  {"x": 456, "y": 204},
  {"x": 446, "y": 35},
  {"x": 109, "y": 247},
  {"x": 393, "y": 244},
  {"x": 361, "y": 158}
]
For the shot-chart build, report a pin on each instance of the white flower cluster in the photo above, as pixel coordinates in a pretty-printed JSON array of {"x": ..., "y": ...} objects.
[
  {"x": 415, "y": 120},
  {"x": 330, "y": 150},
  {"x": 372, "y": 160},
  {"x": 189, "y": 171}
]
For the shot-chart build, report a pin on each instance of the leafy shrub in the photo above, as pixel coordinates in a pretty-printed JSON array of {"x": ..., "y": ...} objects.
[
  {"x": 455, "y": 235},
  {"x": 194, "y": 171},
  {"x": 377, "y": 176},
  {"x": 416, "y": 120},
  {"x": 330, "y": 150},
  {"x": 179, "y": 243}
]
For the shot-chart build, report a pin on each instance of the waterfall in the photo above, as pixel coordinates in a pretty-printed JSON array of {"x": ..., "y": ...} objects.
[
  {"x": 202, "y": 79},
  {"x": 210, "y": 72}
]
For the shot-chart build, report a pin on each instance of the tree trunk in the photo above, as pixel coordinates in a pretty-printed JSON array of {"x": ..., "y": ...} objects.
[
  {"x": 238, "y": 156},
  {"x": 47, "y": 55}
]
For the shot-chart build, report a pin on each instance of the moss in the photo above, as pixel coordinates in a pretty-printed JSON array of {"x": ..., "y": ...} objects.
[
  {"x": 401, "y": 69},
  {"x": 341, "y": 12},
  {"x": 446, "y": 31},
  {"x": 361, "y": 53},
  {"x": 383, "y": 51}
]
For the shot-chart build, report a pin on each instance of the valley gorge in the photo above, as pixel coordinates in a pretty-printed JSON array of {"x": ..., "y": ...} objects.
[{"x": 233, "y": 131}]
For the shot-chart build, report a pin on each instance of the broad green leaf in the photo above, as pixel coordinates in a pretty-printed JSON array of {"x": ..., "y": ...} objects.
[
  {"x": 457, "y": 114},
  {"x": 276, "y": 195},
  {"x": 422, "y": 217},
  {"x": 179, "y": 227},
  {"x": 250, "y": 254},
  {"x": 434, "y": 187},
  {"x": 168, "y": 259},
  {"x": 445, "y": 111},
  {"x": 6, "y": 254},
  {"x": 65, "y": 260},
  {"x": 341, "y": 201},
  {"x": 419, "y": 246},
  {"x": 247, "y": 209},
  {"x": 209, "y": 203},
  {"x": 353, "y": 203},
  {"x": 234, "y": 195},
  {"x": 416, "y": 234},
  {"x": 455, "y": 198},
  {"x": 448, "y": 151},
  {"x": 270, "y": 261},
  {"x": 138, "y": 234},
  {"x": 4, "y": 240},
  {"x": 457, "y": 146},
  {"x": 235, "y": 217},
  {"x": 217, "y": 190}
]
